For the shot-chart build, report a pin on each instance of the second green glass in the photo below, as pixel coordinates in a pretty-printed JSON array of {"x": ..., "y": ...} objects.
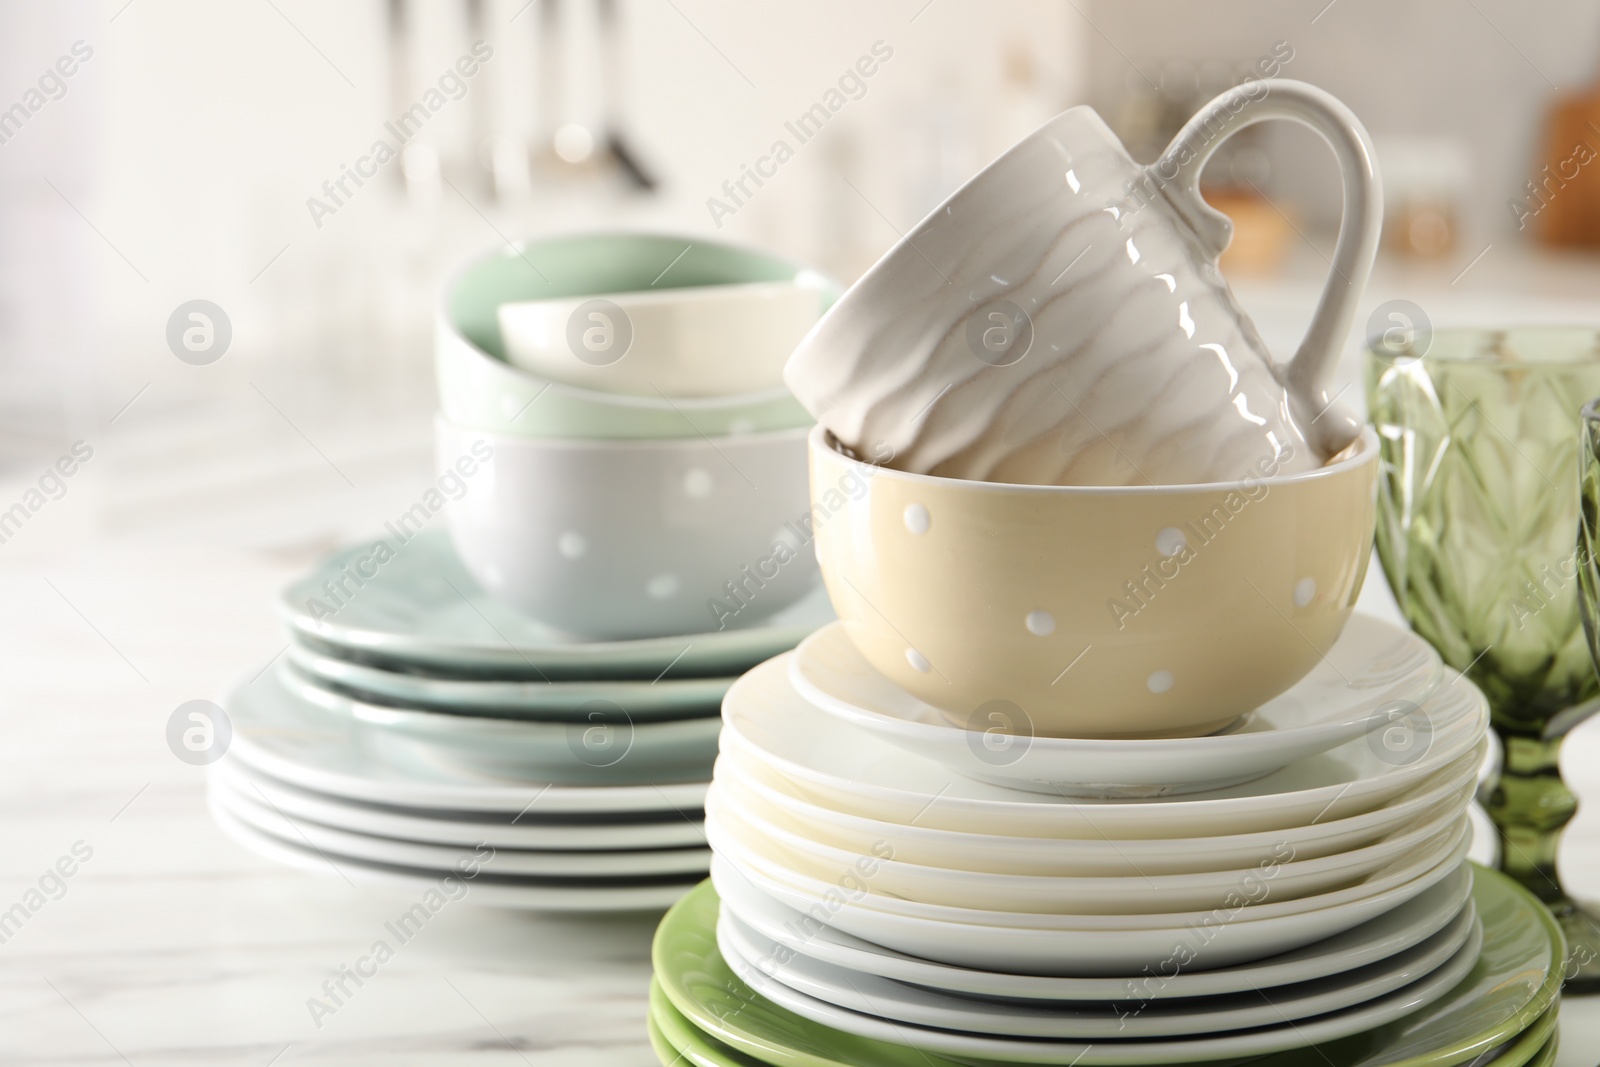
[{"x": 1477, "y": 512}]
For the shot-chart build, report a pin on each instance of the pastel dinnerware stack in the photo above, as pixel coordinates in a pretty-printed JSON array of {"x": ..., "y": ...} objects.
[
  {"x": 526, "y": 703},
  {"x": 648, "y": 465},
  {"x": 1099, "y": 773}
]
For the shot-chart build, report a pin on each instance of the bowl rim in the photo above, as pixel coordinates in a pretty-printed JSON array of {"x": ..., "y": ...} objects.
[
  {"x": 822, "y": 441},
  {"x": 449, "y": 331},
  {"x": 688, "y": 294},
  {"x": 443, "y": 424}
]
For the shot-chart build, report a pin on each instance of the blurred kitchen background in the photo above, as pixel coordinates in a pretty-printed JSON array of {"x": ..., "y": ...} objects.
[{"x": 178, "y": 160}]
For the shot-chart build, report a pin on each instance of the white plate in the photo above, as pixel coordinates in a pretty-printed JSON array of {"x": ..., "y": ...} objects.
[
  {"x": 1389, "y": 933},
  {"x": 768, "y": 725},
  {"x": 421, "y": 610},
  {"x": 670, "y": 829},
  {"x": 1304, "y": 1034},
  {"x": 669, "y": 698},
  {"x": 484, "y": 889},
  {"x": 302, "y": 745},
  {"x": 1375, "y": 671},
  {"x": 609, "y": 748},
  {"x": 745, "y": 949},
  {"x": 999, "y": 854},
  {"x": 254, "y": 812},
  {"x": 1281, "y": 877},
  {"x": 1100, "y": 945}
]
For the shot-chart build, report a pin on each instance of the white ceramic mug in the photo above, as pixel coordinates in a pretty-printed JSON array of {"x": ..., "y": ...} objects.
[{"x": 1060, "y": 319}]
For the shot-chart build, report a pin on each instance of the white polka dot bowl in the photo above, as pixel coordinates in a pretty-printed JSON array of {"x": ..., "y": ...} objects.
[
  {"x": 612, "y": 540},
  {"x": 479, "y": 389},
  {"x": 1093, "y": 611}
]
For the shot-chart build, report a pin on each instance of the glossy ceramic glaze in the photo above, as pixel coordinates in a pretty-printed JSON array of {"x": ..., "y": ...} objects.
[
  {"x": 999, "y": 853},
  {"x": 690, "y": 341},
  {"x": 1394, "y": 931},
  {"x": 1376, "y": 677},
  {"x": 1282, "y": 876},
  {"x": 766, "y": 964},
  {"x": 564, "y": 701},
  {"x": 1060, "y": 319},
  {"x": 781, "y": 738},
  {"x": 479, "y": 389},
  {"x": 280, "y": 738},
  {"x": 1092, "y": 612},
  {"x": 605, "y": 747},
  {"x": 413, "y": 607},
  {"x": 1503, "y": 990},
  {"x": 615, "y": 540}
]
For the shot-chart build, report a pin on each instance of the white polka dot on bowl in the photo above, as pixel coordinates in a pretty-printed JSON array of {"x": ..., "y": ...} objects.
[
  {"x": 662, "y": 586},
  {"x": 1170, "y": 541},
  {"x": 1305, "y": 591},
  {"x": 1040, "y": 623},
  {"x": 918, "y": 661},
  {"x": 697, "y": 483},
  {"x": 1159, "y": 682},
  {"x": 572, "y": 544},
  {"x": 917, "y": 519}
]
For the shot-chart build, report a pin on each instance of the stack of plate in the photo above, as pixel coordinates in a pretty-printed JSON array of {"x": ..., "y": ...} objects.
[
  {"x": 416, "y": 729},
  {"x": 895, "y": 889}
]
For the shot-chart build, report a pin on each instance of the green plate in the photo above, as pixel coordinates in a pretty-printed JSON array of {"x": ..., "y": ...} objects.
[
  {"x": 1515, "y": 981},
  {"x": 1535, "y": 1046},
  {"x": 419, "y": 611}
]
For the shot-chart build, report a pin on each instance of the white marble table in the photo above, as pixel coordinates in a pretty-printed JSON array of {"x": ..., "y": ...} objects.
[{"x": 171, "y": 945}]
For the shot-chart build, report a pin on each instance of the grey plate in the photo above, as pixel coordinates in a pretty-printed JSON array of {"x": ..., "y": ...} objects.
[
  {"x": 605, "y": 749},
  {"x": 421, "y": 611},
  {"x": 670, "y": 698}
]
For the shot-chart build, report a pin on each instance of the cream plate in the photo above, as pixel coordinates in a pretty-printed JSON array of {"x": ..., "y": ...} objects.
[
  {"x": 250, "y": 809},
  {"x": 1401, "y": 1002},
  {"x": 606, "y": 749},
  {"x": 1394, "y": 931},
  {"x": 1376, "y": 675},
  {"x": 1097, "y": 945},
  {"x": 769, "y": 727},
  {"x": 747, "y": 951},
  {"x": 998, "y": 854},
  {"x": 669, "y": 698},
  {"x": 1282, "y": 876},
  {"x": 300, "y": 744},
  {"x": 578, "y": 833},
  {"x": 574, "y": 894},
  {"x": 418, "y": 609}
]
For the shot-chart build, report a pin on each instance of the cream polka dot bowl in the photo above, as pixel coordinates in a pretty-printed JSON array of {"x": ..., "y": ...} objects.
[
  {"x": 618, "y": 539},
  {"x": 1088, "y": 611}
]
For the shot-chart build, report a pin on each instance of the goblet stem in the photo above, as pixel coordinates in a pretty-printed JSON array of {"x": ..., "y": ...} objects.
[{"x": 1530, "y": 807}]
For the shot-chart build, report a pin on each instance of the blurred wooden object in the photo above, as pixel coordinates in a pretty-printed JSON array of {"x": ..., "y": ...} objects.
[
  {"x": 1561, "y": 205},
  {"x": 1261, "y": 233}
]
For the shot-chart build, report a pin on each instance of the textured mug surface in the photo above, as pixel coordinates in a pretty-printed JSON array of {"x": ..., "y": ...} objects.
[
  {"x": 479, "y": 389},
  {"x": 1074, "y": 611},
  {"x": 1060, "y": 319},
  {"x": 627, "y": 539}
]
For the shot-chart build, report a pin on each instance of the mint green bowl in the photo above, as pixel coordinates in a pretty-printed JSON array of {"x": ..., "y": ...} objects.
[{"x": 479, "y": 390}]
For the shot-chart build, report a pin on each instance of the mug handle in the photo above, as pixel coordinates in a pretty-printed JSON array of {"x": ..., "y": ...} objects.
[{"x": 1328, "y": 428}]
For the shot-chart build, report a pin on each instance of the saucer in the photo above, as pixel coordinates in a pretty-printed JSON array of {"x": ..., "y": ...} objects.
[
  {"x": 609, "y": 748},
  {"x": 1378, "y": 939},
  {"x": 303, "y": 746},
  {"x": 419, "y": 610},
  {"x": 1478, "y": 1001},
  {"x": 768, "y": 726},
  {"x": 568, "y": 701},
  {"x": 766, "y": 965},
  {"x": 1375, "y": 675}
]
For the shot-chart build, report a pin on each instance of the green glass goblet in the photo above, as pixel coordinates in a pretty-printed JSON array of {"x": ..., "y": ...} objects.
[{"x": 1478, "y": 501}]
